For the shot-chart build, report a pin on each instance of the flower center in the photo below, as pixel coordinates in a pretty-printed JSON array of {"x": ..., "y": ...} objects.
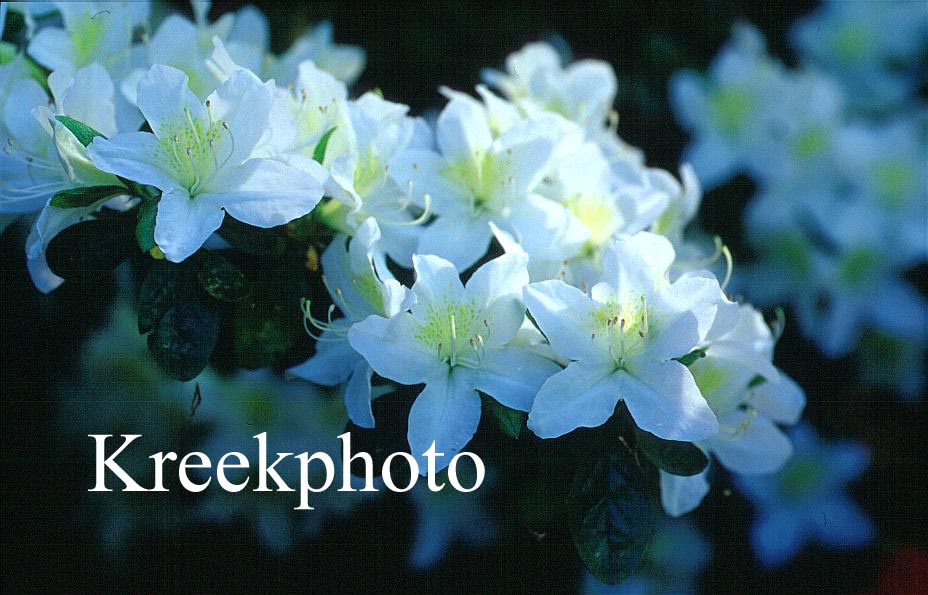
[
  {"x": 622, "y": 328},
  {"x": 194, "y": 150},
  {"x": 455, "y": 331},
  {"x": 485, "y": 178},
  {"x": 730, "y": 108},
  {"x": 598, "y": 214},
  {"x": 801, "y": 476}
]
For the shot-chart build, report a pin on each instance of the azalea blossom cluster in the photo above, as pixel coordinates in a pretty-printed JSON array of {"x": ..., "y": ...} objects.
[
  {"x": 515, "y": 250},
  {"x": 837, "y": 150}
]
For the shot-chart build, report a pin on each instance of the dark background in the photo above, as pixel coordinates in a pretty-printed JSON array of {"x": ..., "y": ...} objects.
[{"x": 411, "y": 50}]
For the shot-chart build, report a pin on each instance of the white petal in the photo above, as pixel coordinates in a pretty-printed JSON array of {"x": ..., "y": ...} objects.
[
  {"x": 755, "y": 446},
  {"x": 132, "y": 156},
  {"x": 390, "y": 347},
  {"x": 183, "y": 223},
  {"x": 565, "y": 316},
  {"x": 332, "y": 363},
  {"x": 462, "y": 240},
  {"x": 447, "y": 411},
  {"x": 419, "y": 171},
  {"x": 51, "y": 47},
  {"x": 582, "y": 395},
  {"x": 462, "y": 131},
  {"x": 497, "y": 288},
  {"x": 244, "y": 103},
  {"x": 638, "y": 261},
  {"x": 437, "y": 281},
  {"x": 267, "y": 192},
  {"x": 358, "y": 396},
  {"x": 163, "y": 94},
  {"x": 513, "y": 376},
  {"x": 663, "y": 399},
  {"x": 782, "y": 401},
  {"x": 680, "y": 495}
]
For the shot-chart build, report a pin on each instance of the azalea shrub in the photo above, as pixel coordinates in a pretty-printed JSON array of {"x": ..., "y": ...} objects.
[{"x": 508, "y": 263}]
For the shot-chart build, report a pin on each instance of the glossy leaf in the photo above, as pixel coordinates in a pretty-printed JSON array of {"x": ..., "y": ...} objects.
[
  {"x": 610, "y": 515},
  {"x": 673, "y": 456},
  {"x": 85, "y": 196}
]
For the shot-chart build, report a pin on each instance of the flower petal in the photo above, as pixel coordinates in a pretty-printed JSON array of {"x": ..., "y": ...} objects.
[
  {"x": 184, "y": 223},
  {"x": 332, "y": 363},
  {"x": 781, "y": 401},
  {"x": 583, "y": 394},
  {"x": 565, "y": 316},
  {"x": 497, "y": 287},
  {"x": 390, "y": 347},
  {"x": 132, "y": 156},
  {"x": 756, "y": 446},
  {"x": 513, "y": 376},
  {"x": 163, "y": 95},
  {"x": 663, "y": 399},
  {"x": 460, "y": 239},
  {"x": 358, "y": 395},
  {"x": 447, "y": 411},
  {"x": 680, "y": 495},
  {"x": 267, "y": 192}
]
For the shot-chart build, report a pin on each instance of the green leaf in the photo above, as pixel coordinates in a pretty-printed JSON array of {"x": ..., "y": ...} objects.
[
  {"x": 509, "y": 420},
  {"x": 157, "y": 293},
  {"x": 75, "y": 198},
  {"x": 756, "y": 381},
  {"x": 673, "y": 456},
  {"x": 322, "y": 145},
  {"x": 84, "y": 133},
  {"x": 145, "y": 228},
  {"x": 182, "y": 341},
  {"x": 9, "y": 52},
  {"x": 89, "y": 250},
  {"x": 220, "y": 278},
  {"x": 691, "y": 357},
  {"x": 270, "y": 322},
  {"x": 610, "y": 515},
  {"x": 253, "y": 240}
]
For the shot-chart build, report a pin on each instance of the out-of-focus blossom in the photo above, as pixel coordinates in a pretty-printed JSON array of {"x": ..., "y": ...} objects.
[{"x": 806, "y": 501}]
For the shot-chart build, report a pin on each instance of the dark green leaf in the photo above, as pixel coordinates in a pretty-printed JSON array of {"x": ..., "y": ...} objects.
[
  {"x": 184, "y": 338},
  {"x": 678, "y": 458},
  {"x": 322, "y": 145},
  {"x": 270, "y": 322},
  {"x": 253, "y": 240},
  {"x": 74, "y": 198},
  {"x": 84, "y": 133},
  {"x": 220, "y": 278},
  {"x": 145, "y": 228},
  {"x": 509, "y": 420},
  {"x": 88, "y": 250},
  {"x": 157, "y": 293},
  {"x": 610, "y": 515},
  {"x": 756, "y": 381},
  {"x": 691, "y": 357}
]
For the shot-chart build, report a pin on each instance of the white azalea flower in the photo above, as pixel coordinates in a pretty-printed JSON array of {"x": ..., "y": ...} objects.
[
  {"x": 42, "y": 156},
  {"x": 344, "y": 62},
  {"x": 359, "y": 178},
  {"x": 361, "y": 285},
  {"x": 582, "y": 92},
  {"x": 200, "y": 157},
  {"x": 302, "y": 114},
  {"x": 750, "y": 397},
  {"x": 185, "y": 45},
  {"x": 622, "y": 340},
  {"x": 474, "y": 181},
  {"x": 731, "y": 110},
  {"x": 100, "y": 32},
  {"x": 455, "y": 340}
]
